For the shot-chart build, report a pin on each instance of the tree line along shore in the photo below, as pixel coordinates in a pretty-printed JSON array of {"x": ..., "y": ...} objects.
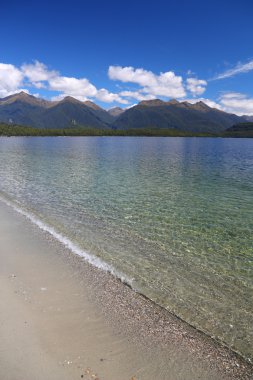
[{"x": 240, "y": 130}]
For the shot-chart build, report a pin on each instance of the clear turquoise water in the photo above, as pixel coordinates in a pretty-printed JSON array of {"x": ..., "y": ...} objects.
[{"x": 175, "y": 215}]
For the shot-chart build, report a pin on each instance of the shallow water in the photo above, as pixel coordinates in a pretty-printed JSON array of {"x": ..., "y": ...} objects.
[
  {"x": 67, "y": 334},
  {"x": 173, "y": 215}
]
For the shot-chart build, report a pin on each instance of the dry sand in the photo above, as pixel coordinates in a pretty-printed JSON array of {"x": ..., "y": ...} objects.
[{"x": 61, "y": 318}]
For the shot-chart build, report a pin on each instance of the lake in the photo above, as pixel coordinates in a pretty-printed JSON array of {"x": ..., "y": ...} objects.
[{"x": 173, "y": 217}]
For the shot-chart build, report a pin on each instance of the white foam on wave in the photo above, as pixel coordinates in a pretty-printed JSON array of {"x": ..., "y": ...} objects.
[{"x": 74, "y": 248}]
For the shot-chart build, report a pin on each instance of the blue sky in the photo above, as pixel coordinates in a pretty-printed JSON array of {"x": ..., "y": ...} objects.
[{"x": 119, "y": 53}]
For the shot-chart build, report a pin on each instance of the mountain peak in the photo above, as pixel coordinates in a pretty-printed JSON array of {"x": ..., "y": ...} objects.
[
  {"x": 115, "y": 111},
  {"x": 18, "y": 95},
  {"x": 201, "y": 106},
  {"x": 202, "y": 103},
  {"x": 23, "y": 97},
  {"x": 152, "y": 102},
  {"x": 173, "y": 101},
  {"x": 70, "y": 99},
  {"x": 23, "y": 93}
]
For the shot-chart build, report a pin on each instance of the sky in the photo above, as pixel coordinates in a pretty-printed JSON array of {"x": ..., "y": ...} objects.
[{"x": 118, "y": 53}]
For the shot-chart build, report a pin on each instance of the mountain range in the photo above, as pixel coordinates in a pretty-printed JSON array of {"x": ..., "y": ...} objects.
[
  {"x": 28, "y": 110},
  {"x": 248, "y": 118}
]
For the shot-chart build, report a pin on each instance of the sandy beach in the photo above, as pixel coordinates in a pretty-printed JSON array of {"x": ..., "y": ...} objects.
[{"x": 61, "y": 318}]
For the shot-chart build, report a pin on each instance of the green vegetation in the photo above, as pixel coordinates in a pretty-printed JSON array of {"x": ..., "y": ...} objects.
[
  {"x": 239, "y": 130},
  {"x": 16, "y": 130}
]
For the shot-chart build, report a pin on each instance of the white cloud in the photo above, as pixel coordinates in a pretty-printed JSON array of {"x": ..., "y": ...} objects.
[
  {"x": 196, "y": 86},
  {"x": 239, "y": 68},
  {"x": 78, "y": 88},
  {"x": 82, "y": 90},
  {"x": 136, "y": 95},
  {"x": 166, "y": 84},
  {"x": 109, "y": 97},
  {"x": 237, "y": 103},
  {"x": 11, "y": 80},
  {"x": 41, "y": 77},
  {"x": 129, "y": 74},
  {"x": 232, "y": 95},
  {"x": 37, "y": 73}
]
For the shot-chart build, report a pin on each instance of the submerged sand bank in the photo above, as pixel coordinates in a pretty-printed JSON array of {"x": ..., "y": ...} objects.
[{"x": 61, "y": 318}]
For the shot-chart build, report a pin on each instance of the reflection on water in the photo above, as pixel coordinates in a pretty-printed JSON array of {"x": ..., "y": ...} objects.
[{"x": 173, "y": 214}]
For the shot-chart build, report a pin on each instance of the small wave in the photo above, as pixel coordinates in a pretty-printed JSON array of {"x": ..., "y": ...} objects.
[{"x": 91, "y": 259}]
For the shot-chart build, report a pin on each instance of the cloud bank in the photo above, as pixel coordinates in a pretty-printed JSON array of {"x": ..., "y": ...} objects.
[
  {"x": 150, "y": 85},
  {"x": 37, "y": 75},
  {"x": 139, "y": 84},
  {"x": 237, "y": 103},
  {"x": 166, "y": 84}
]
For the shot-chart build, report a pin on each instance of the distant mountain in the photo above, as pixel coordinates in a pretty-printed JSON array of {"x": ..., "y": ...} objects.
[
  {"x": 183, "y": 116},
  {"x": 27, "y": 110},
  {"x": 105, "y": 116},
  {"x": 24, "y": 109},
  {"x": 70, "y": 112},
  {"x": 27, "y": 99},
  {"x": 248, "y": 118},
  {"x": 115, "y": 111}
]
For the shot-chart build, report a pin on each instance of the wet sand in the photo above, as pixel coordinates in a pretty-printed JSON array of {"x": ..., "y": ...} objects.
[{"x": 61, "y": 318}]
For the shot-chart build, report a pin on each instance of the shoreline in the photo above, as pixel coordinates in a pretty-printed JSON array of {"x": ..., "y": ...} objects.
[{"x": 129, "y": 320}]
